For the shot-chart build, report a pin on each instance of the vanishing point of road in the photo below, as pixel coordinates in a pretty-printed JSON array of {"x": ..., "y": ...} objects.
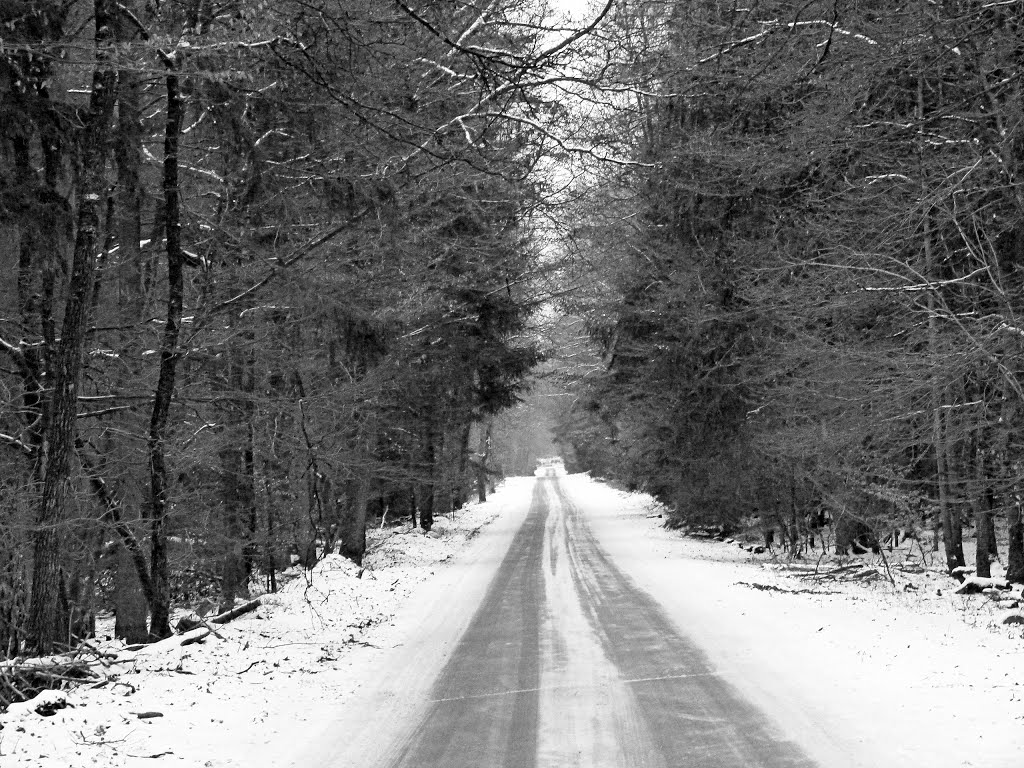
[{"x": 567, "y": 662}]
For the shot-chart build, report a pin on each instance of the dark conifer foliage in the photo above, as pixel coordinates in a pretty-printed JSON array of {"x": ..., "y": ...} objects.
[{"x": 816, "y": 275}]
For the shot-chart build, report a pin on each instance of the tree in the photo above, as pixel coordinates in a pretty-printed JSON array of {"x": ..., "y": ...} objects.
[{"x": 807, "y": 285}]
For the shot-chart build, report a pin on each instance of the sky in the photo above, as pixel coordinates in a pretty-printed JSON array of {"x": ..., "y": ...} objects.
[{"x": 575, "y": 8}]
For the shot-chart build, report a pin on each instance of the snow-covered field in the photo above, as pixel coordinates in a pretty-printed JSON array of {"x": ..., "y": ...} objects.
[{"x": 859, "y": 673}]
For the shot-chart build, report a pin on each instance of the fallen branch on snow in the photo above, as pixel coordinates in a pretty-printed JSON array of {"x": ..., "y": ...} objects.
[
  {"x": 235, "y": 612},
  {"x": 973, "y": 585},
  {"x": 22, "y": 680}
]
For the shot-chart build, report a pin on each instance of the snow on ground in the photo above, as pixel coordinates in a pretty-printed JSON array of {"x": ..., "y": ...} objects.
[
  {"x": 860, "y": 674},
  {"x": 251, "y": 696}
]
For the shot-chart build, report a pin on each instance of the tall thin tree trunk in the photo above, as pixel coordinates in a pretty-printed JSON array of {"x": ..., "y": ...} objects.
[
  {"x": 980, "y": 505},
  {"x": 160, "y": 605},
  {"x": 975, "y": 490},
  {"x": 270, "y": 543},
  {"x": 426, "y": 486},
  {"x": 233, "y": 510},
  {"x": 483, "y": 452},
  {"x": 982, "y": 555},
  {"x": 462, "y": 480},
  {"x": 128, "y": 154},
  {"x": 251, "y": 551},
  {"x": 953, "y": 526},
  {"x": 1015, "y": 544},
  {"x": 238, "y": 493},
  {"x": 948, "y": 516},
  {"x": 48, "y": 613},
  {"x": 795, "y": 537}
]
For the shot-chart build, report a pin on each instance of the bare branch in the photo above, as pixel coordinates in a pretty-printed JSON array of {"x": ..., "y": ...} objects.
[{"x": 19, "y": 445}]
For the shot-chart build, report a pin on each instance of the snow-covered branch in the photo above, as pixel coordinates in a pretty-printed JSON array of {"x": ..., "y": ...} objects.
[
  {"x": 773, "y": 26},
  {"x": 17, "y": 444}
]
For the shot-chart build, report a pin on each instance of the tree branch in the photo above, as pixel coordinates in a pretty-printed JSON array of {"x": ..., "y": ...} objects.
[{"x": 18, "y": 445}]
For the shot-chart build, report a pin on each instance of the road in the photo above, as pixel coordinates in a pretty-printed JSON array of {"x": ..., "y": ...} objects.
[{"x": 566, "y": 662}]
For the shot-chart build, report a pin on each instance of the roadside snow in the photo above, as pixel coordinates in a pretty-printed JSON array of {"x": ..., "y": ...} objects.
[
  {"x": 250, "y": 696},
  {"x": 860, "y": 674}
]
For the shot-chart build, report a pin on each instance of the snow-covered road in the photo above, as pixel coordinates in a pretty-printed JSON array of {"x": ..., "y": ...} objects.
[
  {"x": 567, "y": 663},
  {"x": 556, "y": 625},
  {"x": 604, "y": 640}
]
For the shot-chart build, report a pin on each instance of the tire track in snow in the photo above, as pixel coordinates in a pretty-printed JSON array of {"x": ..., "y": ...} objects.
[
  {"x": 694, "y": 717},
  {"x": 465, "y": 726}
]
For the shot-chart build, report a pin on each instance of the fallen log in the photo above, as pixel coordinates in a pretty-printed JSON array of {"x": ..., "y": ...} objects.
[
  {"x": 195, "y": 636},
  {"x": 235, "y": 612},
  {"x": 974, "y": 585}
]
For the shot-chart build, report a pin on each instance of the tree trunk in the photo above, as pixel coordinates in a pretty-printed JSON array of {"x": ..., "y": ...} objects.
[
  {"x": 234, "y": 507},
  {"x": 352, "y": 540},
  {"x": 952, "y": 519},
  {"x": 270, "y": 543},
  {"x": 425, "y": 504},
  {"x": 952, "y": 527},
  {"x": 238, "y": 494},
  {"x": 795, "y": 537},
  {"x": 130, "y": 608},
  {"x": 353, "y": 522},
  {"x": 128, "y": 155},
  {"x": 444, "y": 482},
  {"x": 251, "y": 552},
  {"x": 981, "y": 505},
  {"x": 460, "y": 493},
  {"x": 48, "y": 613},
  {"x": 425, "y": 488},
  {"x": 160, "y": 607},
  {"x": 33, "y": 322},
  {"x": 1015, "y": 545},
  {"x": 993, "y": 545},
  {"x": 949, "y": 517},
  {"x": 982, "y": 554},
  {"x": 482, "y": 452}
]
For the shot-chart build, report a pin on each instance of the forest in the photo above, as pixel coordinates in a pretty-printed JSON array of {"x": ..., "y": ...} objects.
[
  {"x": 286, "y": 269},
  {"x": 815, "y": 272}
]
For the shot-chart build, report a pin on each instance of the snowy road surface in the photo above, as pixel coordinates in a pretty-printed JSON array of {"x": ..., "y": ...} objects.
[{"x": 566, "y": 662}]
